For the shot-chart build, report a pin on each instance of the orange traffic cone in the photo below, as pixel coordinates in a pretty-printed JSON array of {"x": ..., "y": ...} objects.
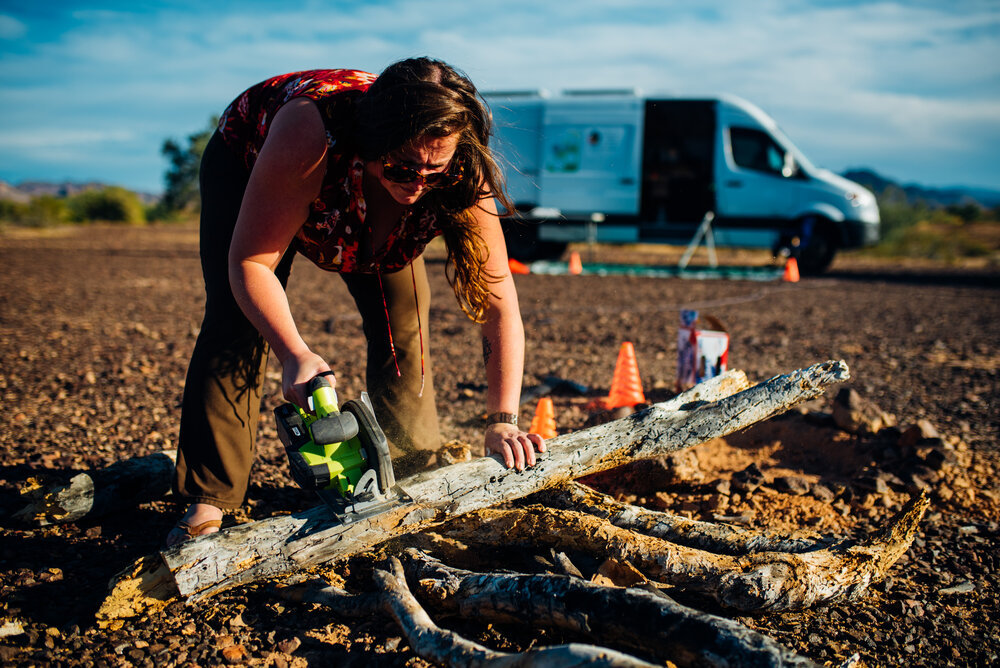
[
  {"x": 544, "y": 422},
  {"x": 575, "y": 266},
  {"x": 517, "y": 267},
  {"x": 626, "y": 387},
  {"x": 791, "y": 271}
]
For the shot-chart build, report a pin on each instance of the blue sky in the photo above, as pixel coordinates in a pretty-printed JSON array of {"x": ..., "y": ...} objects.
[{"x": 89, "y": 91}]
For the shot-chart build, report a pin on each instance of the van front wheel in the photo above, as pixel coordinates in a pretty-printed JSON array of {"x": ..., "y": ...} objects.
[{"x": 819, "y": 247}]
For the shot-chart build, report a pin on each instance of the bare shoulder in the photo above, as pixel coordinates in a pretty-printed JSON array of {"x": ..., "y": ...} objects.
[{"x": 296, "y": 133}]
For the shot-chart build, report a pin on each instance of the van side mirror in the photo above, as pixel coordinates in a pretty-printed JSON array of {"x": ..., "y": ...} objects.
[{"x": 789, "y": 168}]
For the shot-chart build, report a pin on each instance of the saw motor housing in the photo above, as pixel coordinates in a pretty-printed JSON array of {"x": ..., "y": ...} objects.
[{"x": 339, "y": 449}]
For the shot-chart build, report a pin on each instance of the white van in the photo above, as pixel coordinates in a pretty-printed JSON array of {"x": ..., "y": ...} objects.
[{"x": 618, "y": 167}]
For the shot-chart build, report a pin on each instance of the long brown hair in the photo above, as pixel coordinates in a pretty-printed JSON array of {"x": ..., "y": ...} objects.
[{"x": 423, "y": 97}]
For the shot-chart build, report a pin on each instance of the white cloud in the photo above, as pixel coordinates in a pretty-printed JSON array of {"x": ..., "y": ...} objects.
[
  {"x": 11, "y": 28},
  {"x": 870, "y": 77},
  {"x": 62, "y": 138}
]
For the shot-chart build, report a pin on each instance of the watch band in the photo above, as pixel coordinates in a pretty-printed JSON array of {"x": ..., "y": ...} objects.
[{"x": 507, "y": 418}]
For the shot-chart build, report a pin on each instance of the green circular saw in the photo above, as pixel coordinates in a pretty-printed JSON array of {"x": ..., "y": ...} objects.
[{"x": 340, "y": 452}]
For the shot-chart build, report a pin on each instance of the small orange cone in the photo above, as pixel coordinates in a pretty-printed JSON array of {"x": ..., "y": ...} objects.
[
  {"x": 517, "y": 267},
  {"x": 575, "y": 266},
  {"x": 544, "y": 422},
  {"x": 626, "y": 387},
  {"x": 791, "y": 271}
]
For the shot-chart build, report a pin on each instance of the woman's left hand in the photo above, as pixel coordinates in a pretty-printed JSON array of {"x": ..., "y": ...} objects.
[{"x": 515, "y": 446}]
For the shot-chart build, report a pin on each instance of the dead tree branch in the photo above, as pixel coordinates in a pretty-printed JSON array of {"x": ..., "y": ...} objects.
[
  {"x": 756, "y": 582},
  {"x": 433, "y": 643},
  {"x": 632, "y": 618}
]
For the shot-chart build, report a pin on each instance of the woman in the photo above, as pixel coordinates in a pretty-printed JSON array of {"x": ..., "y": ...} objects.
[{"x": 358, "y": 173}]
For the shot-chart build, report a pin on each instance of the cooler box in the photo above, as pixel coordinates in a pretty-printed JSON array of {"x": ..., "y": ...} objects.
[{"x": 701, "y": 353}]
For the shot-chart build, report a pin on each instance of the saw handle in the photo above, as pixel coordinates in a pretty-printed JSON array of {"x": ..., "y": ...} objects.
[
  {"x": 331, "y": 426},
  {"x": 324, "y": 397}
]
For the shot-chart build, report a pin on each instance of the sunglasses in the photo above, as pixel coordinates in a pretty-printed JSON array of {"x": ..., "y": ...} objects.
[{"x": 404, "y": 174}]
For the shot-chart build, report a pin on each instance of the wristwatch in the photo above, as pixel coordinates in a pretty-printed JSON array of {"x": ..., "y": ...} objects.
[{"x": 507, "y": 418}]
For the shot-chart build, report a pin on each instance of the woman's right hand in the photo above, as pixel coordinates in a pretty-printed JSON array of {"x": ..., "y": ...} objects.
[{"x": 296, "y": 373}]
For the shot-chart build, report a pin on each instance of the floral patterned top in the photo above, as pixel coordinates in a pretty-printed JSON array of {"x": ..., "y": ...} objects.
[{"x": 334, "y": 228}]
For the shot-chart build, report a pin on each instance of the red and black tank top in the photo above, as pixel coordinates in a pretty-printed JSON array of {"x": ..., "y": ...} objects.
[{"x": 334, "y": 228}]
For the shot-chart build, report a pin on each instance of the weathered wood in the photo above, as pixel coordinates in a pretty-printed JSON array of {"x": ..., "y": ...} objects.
[
  {"x": 708, "y": 536},
  {"x": 634, "y": 619},
  {"x": 93, "y": 494},
  {"x": 448, "y": 648},
  {"x": 757, "y": 582},
  {"x": 283, "y": 544}
]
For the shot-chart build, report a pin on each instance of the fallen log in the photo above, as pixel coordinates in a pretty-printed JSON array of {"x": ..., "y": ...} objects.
[
  {"x": 753, "y": 582},
  {"x": 637, "y": 619},
  {"x": 447, "y": 648},
  {"x": 93, "y": 494},
  {"x": 279, "y": 545}
]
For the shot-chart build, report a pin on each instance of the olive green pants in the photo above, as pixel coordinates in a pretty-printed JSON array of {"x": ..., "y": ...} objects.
[{"x": 222, "y": 391}]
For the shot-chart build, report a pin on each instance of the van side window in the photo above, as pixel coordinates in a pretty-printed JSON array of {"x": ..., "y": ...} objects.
[{"x": 756, "y": 150}]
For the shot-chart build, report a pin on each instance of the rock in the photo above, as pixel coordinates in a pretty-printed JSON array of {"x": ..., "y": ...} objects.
[
  {"x": 289, "y": 645},
  {"x": 917, "y": 432},
  {"x": 872, "y": 483},
  {"x": 935, "y": 454},
  {"x": 791, "y": 484},
  {"x": 856, "y": 415},
  {"x": 682, "y": 466},
  {"x": 11, "y": 628},
  {"x": 822, "y": 493},
  {"x": 748, "y": 479},
  {"x": 914, "y": 484},
  {"x": 235, "y": 654},
  {"x": 961, "y": 588}
]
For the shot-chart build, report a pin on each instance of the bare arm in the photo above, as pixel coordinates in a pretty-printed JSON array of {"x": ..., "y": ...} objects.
[
  {"x": 286, "y": 178},
  {"x": 503, "y": 350}
]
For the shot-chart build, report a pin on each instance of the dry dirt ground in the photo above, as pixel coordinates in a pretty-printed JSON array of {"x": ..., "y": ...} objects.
[{"x": 97, "y": 324}]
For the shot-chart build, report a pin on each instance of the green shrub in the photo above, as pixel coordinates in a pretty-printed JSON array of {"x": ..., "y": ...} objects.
[
  {"x": 940, "y": 240},
  {"x": 112, "y": 204},
  {"x": 898, "y": 215},
  {"x": 12, "y": 212},
  {"x": 41, "y": 211},
  {"x": 46, "y": 210}
]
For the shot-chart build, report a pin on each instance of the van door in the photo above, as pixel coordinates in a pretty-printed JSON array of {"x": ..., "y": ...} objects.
[
  {"x": 677, "y": 162},
  {"x": 590, "y": 156},
  {"x": 754, "y": 183}
]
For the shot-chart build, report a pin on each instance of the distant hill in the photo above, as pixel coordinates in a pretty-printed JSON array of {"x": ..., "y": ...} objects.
[
  {"x": 885, "y": 188},
  {"x": 25, "y": 190}
]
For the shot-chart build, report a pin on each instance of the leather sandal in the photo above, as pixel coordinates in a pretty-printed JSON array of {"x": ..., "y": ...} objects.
[{"x": 192, "y": 531}]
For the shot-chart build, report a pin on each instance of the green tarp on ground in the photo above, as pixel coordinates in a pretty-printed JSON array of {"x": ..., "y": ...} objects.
[{"x": 547, "y": 267}]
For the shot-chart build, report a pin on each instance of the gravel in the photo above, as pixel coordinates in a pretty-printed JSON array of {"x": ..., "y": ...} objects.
[{"x": 97, "y": 324}]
